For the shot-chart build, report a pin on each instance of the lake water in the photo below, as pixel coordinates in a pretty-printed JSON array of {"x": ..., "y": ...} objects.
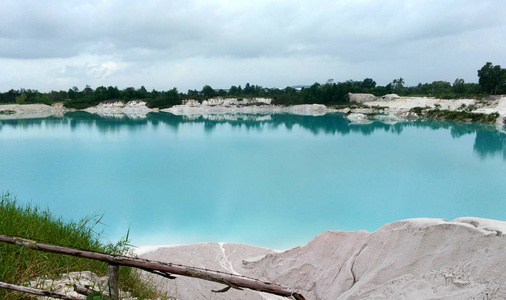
[{"x": 274, "y": 181}]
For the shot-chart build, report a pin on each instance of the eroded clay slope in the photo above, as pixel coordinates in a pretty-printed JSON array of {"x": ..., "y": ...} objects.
[{"x": 409, "y": 259}]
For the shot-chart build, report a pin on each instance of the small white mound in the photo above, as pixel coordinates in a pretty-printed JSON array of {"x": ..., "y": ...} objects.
[
  {"x": 221, "y": 106},
  {"x": 118, "y": 109}
]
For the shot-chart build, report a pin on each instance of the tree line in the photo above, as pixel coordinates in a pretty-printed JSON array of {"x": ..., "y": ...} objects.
[{"x": 492, "y": 81}]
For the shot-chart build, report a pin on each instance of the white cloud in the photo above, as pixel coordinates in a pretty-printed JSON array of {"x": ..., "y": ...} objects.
[
  {"x": 129, "y": 44},
  {"x": 104, "y": 69}
]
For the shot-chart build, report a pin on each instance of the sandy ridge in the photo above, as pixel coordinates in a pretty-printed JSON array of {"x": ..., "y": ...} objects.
[{"x": 408, "y": 259}]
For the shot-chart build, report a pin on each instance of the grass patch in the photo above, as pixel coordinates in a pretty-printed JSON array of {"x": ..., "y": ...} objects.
[
  {"x": 19, "y": 265},
  {"x": 462, "y": 115},
  {"x": 7, "y": 112}
]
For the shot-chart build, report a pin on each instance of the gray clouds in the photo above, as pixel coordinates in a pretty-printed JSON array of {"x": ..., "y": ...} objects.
[{"x": 137, "y": 42}]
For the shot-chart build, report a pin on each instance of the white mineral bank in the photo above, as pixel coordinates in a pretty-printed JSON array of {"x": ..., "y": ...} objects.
[
  {"x": 394, "y": 108},
  {"x": 409, "y": 259},
  {"x": 138, "y": 109},
  {"x": 400, "y": 106}
]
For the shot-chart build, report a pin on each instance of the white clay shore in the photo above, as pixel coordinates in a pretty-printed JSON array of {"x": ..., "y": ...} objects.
[
  {"x": 397, "y": 108},
  {"x": 390, "y": 108},
  {"x": 138, "y": 109},
  {"x": 408, "y": 259},
  {"x": 29, "y": 111}
]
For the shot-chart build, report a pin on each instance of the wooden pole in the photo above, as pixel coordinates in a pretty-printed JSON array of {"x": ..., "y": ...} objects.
[
  {"x": 201, "y": 273},
  {"x": 38, "y": 292},
  {"x": 113, "y": 281}
]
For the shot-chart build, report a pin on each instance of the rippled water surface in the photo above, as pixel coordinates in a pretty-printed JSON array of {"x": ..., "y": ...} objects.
[{"x": 274, "y": 181}]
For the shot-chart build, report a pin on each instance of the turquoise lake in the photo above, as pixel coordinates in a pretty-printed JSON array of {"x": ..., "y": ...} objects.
[{"x": 273, "y": 180}]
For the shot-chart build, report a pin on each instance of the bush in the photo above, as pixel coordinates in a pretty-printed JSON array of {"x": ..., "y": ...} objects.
[
  {"x": 80, "y": 104},
  {"x": 462, "y": 116},
  {"x": 418, "y": 110}
]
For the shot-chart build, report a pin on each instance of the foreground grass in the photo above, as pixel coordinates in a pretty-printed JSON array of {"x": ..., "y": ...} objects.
[{"x": 19, "y": 265}]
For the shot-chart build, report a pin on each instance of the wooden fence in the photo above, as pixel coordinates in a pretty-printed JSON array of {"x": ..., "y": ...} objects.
[{"x": 159, "y": 268}]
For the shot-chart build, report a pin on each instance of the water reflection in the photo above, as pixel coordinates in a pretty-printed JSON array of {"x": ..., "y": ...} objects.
[{"x": 488, "y": 142}]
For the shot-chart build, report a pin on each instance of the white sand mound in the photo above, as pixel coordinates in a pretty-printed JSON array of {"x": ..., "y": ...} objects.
[
  {"x": 28, "y": 111},
  {"x": 246, "y": 106},
  {"x": 118, "y": 109},
  {"x": 409, "y": 259}
]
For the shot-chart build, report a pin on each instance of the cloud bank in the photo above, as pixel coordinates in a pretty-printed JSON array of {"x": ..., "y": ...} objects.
[{"x": 163, "y": 44}]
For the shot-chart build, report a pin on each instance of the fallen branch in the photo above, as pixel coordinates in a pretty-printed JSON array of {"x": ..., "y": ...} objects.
[
  {"x": 84, "y": 290},
  {"x": 227, "y": 279},
  {"x": 38, "y": 292}
]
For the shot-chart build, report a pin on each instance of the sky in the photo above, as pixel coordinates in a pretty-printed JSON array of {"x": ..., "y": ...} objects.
[{"x": 57, "y": 44}]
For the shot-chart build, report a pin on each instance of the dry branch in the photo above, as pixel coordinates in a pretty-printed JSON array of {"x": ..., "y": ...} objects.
[
  {"x": 38, "y": 292},
  {"x": 210, "y": 275},
  {"x": 84, "y": 290}
]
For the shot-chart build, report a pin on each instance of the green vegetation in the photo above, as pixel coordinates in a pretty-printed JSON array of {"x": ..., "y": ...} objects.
[
  {"x": 7, "y": 112},
  {"x": 18, "y": 265},
  {"x": 464, "y": 114},
  {"x": 492, "y": 81}
]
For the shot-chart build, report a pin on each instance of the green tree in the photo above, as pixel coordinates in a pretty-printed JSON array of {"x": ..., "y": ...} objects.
[
  {"x": 172, "y": 97},
  {"x": 222, "y": 93},
  {"x": 53, "y": 96},
  {"x": 100, "y": 93},
  {"x": 113, "y": 92},
  {"x": 380, "y": 91},
  {"x": 233, "y": 91},
  {"x": 247, "y": 89},
  {"x": 72, "y": 94},
  {"x": 128, "y": 93},
  {"x": 21, "y": 98},
  {"x": 459, "y": 86},
  {"x": 309, "y": 95},
  {"x": 397, "y": 85},
  {"x": 88, "y": 90},
  {"x": 492, "y": 79},
  {"x": 154, "y": 93},
  {"x": 368, "y": 84},
  {"x": 208, "y": 91},
  {"x": 441, "y": 88},
  {"x": 142, "y": 93},
  {"x": 194, "y": 94}
]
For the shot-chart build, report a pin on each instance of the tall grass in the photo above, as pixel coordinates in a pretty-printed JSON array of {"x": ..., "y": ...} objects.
[{"x": 18, "y": 264}]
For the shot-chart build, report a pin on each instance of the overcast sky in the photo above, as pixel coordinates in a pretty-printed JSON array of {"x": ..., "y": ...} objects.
[{"x": 56, "y": 44}]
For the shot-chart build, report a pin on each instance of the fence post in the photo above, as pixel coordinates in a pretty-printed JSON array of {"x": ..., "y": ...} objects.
[{"x": 113, "y": 281}]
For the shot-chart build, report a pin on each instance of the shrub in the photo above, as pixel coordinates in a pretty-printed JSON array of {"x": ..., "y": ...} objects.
[{"x": 418, "y": 110}]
